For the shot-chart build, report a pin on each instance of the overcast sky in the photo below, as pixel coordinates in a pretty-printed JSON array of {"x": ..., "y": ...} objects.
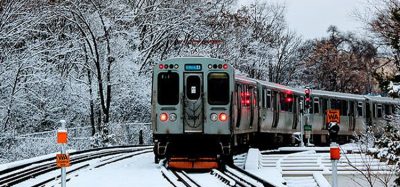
[{"x": 311, "y": 18}]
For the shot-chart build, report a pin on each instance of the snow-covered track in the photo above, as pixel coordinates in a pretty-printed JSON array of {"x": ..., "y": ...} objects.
[
  {"x": 20, "y": 173},
  {"x": 244, "y": 178}
]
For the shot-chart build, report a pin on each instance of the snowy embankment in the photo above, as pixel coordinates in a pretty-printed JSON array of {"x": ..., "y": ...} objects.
[{"x": 43, "y": 143}]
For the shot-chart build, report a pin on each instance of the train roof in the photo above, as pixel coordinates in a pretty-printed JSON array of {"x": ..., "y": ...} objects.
[
  {"x": 194, "y": 59},
  {"x": 338, "y": 95},
  {"x": 276, "y": 86},
  {"x": 245, "y": 79},
  {"x": 387, "y": 100}
]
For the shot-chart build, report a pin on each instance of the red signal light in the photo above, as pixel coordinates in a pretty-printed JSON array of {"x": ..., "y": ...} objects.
[
  {"x": 223, "y": 117},
  {"x": 164, "y": 117},
  {"x": 225, "y": 66},
  {"x": 308, "y": 99},
  {"x": 289, "y": 99}
]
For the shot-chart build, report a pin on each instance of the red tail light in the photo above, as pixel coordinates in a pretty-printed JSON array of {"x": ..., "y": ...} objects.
[
  {"x": 161, "y": 66},
  {"x": 223, "y": 117},
  {"x": 164, "y": 117},
  {"x": 225, "y": 66}
]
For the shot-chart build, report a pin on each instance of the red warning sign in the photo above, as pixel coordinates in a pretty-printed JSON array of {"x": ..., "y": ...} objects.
[
  {"x": 62, "y": 137},
  {"x": 333, "y": 116},
  {"x": 62, "y": 160}
]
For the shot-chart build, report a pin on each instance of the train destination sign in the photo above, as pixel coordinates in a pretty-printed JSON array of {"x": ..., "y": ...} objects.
[
  {"x": 333, "y": 116},
  {"x": 193, "y": 67}
]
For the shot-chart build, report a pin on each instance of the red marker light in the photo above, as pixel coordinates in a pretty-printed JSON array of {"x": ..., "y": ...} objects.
[
  {"x": 223, "y": 117},
  {"x": 225, "y": 66},
  {"x": 164, "y": 117},
  {"x": 161, "y": 66},
  {"x": 289, "y": 99},
  {"x": 308, "y": 99}
]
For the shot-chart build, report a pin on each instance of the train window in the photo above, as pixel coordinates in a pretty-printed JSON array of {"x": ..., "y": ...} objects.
[
  {"x": 324, "y": 103},
  {"x": 387, "y": 109},
  {"x": 374, "y": 110},
  {"x": 168, "y": 88},
  {"x": 268, "y": 98},
  {"x": 335, "y": 104},
  {"x": 344, "y": 110},
  {"x": 351, "y": 109},
  {"x": 255, "y": 99},
  {"x": 238, "y": 95},
  {"x": 193, "y": 85},
  {"x": 379, "y": 111},
  {"x": 286, "y": 105},
  {"x": 316, "y": 106},
  {"x": 360, "y": 109},
  {"x": 218, "y": 88},
  {"x": 264, "y": 98}
]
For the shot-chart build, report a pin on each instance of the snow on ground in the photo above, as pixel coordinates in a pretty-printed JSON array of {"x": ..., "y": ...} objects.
[{"x": 136, "y": 171}]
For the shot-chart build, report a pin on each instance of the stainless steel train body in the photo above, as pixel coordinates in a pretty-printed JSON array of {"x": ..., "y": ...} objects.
[
  {"x": 191, "y": 106},
  {"x": 200, "y": 104},
  {"x": 280, "y": 112}
]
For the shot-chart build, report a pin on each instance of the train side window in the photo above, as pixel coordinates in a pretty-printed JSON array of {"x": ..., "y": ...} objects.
[
  {"x": 324, "y": 103},
  {"x": 238, "y": 95},
  {"x": 316, "y": 105},
  {"x": 374, "y": 110},
  {"x": 168, "y": 88},
  {"x": 335, "y": 104},
  {"x": 218, "y": 88},
  {"x": 255, "y": 99},
  {"x": 387, "y": 109},
  {"x": 286, "y": 105},
  {"x": 380, "y": 115},
  {"x": 264, "y": 98},
  {"x": 344, "y": 108},
  {"x": 360, "y": 109},
  {"x": 268, "y": 98},
  {"x": 351, "y": 109}
]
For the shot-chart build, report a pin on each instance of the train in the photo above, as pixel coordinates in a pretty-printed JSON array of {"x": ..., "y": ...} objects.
[{"x": 203, "y": 112}]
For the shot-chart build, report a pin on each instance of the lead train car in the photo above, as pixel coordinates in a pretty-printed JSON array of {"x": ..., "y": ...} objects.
[{"x": 192, "y": 100}]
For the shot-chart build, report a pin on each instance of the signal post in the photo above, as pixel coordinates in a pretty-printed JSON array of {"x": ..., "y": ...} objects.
[{"x": 62, "y": 159}]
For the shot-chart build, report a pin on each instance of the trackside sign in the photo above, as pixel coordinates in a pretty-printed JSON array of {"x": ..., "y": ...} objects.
[{"x": 333, "y": 115}]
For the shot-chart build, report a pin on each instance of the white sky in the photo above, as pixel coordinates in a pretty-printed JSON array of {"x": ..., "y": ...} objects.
[{"x": 311, "y": 18}]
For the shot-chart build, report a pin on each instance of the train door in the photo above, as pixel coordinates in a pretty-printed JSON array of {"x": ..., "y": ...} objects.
[
  {"x": 193, "y": 103},
  {"x": 276, "y": 110}
]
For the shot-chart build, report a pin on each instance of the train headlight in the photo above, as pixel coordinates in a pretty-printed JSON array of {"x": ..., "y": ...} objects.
[
  {"x": 163, "y": 117},
  {"x": 172, "y": 117},
  {"x": 223, "y": 117},
  {"x": 214, "y": 117}
]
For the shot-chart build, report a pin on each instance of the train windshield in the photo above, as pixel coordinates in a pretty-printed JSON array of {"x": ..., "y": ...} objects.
[
  {"x": 168, "y": 88},
  {"x": 218, "y": 88}
]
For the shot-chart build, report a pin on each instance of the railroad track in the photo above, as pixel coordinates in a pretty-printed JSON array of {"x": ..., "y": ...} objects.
[
  {"x": 21, "y": 173},
  {"x": 229, "y": 176}
]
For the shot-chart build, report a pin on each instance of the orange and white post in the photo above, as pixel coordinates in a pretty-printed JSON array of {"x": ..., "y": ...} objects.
[
  {"x": 335, "y": 156},
  {"x": 63, "y": 158}
]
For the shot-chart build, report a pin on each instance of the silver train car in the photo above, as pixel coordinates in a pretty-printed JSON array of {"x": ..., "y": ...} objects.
[
  {"x": 200, "y": 106},
  {"x": 191, "y": 107}
]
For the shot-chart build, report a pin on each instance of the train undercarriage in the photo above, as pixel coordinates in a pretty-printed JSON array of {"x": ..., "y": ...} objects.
[{"x": 193, "y": 151}]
